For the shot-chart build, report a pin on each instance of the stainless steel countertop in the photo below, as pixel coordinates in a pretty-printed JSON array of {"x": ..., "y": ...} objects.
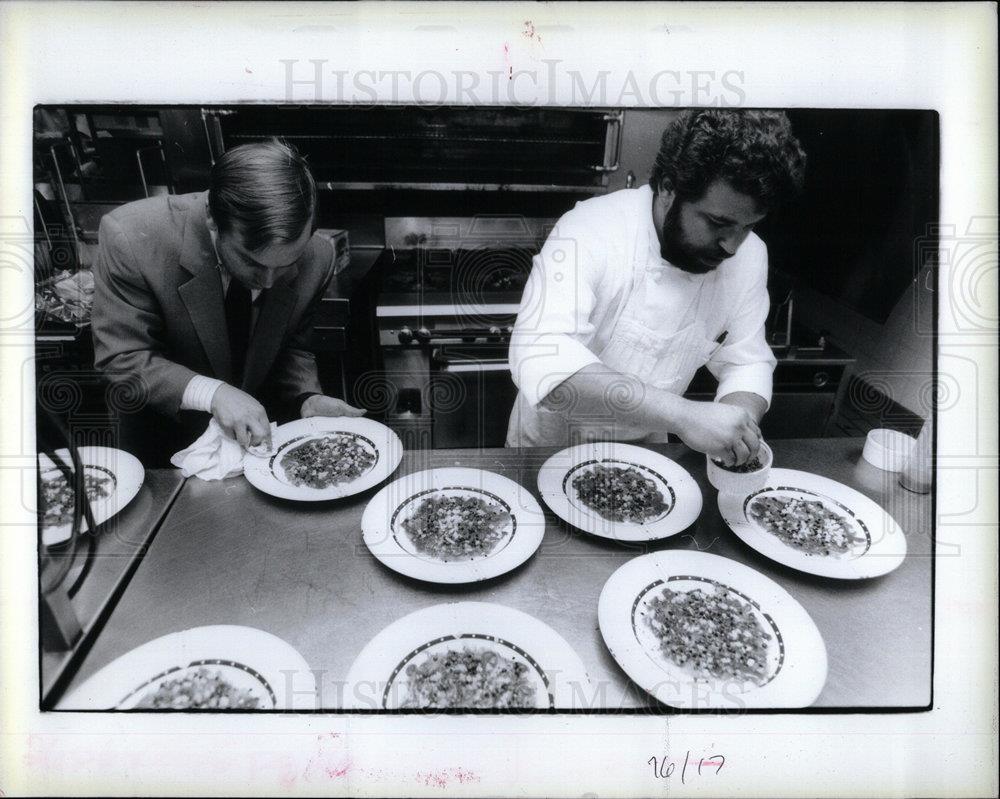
[
  {"x": 228, "y": 554},
  {"x": 119, "y": 542}
]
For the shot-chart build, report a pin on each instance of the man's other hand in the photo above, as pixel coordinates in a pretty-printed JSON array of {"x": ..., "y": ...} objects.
[
  {"x": 241, "y": 417},
  {"x": 319, "y": 405}
]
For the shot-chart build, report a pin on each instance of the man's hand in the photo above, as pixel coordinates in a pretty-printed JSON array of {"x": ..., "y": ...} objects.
[
  {"x": 724, "y": 432},
  {"x": 319, "y": 405},
  {"x": 241, "y": 416}
]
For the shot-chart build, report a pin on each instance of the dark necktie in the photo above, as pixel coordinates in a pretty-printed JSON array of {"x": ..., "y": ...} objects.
[{"x": 238, "y": 304}]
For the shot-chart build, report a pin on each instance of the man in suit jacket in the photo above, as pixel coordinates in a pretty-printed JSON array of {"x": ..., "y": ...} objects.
[{"x": 204, "y": 302}]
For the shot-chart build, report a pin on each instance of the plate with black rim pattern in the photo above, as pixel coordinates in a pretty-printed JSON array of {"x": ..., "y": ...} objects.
[
  {"x": 620, "y": 491},
  {"x": 816, "y": 525},
  {"x": 322, "y": 458},
  {"x": 114, "y": 477},
  {"x": 453, "y": 525},
  {"x": 471, "y": 656},
  {"x": 216, "y": 668},
  {"x": 703, "y": 632}
]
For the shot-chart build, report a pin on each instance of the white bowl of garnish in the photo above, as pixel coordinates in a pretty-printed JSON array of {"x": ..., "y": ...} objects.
[{"x": 741, "y": 479}]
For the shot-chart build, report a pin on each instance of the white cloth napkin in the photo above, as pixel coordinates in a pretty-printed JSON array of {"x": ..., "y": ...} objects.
[{"x": 214, "y": 455}]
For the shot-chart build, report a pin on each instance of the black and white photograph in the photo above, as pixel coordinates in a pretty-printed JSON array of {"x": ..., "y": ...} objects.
[
  {"x": 498, "y": 374},
  {"x": 433, "y": 411}
]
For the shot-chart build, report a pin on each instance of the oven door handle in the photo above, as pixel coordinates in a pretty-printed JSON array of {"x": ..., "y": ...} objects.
[
  {"x": 475, "y": 366},
  {"x": 443, "y": 363}
]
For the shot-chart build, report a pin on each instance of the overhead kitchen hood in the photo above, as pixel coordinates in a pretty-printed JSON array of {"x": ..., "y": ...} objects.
[{"x": 443, "y": 149}]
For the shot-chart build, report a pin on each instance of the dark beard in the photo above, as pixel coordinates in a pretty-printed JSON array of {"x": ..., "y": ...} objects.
[{"x": 673, "y": 248}]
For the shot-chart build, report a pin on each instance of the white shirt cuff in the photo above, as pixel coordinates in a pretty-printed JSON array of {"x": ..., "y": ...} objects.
[
  {"x": 756, "y": 378},
  {"x": 198, "y": 393}
]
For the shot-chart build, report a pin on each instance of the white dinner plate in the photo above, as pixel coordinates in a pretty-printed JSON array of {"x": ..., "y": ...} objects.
[
  {"x": 380, "y": 677},
  {"x": 796, "y": 663},
  {"x": 877, "y": 547},
  {"x": 381, "y": 444},
  {"x": 251, "y": 660},
  {"x": 389, "y": 524},
  {"x": 122, "y": 470},
  {"x": 681, "y": 496}
]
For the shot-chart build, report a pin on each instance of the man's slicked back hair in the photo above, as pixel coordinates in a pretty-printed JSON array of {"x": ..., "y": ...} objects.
[{"x": 263, "y": 192}]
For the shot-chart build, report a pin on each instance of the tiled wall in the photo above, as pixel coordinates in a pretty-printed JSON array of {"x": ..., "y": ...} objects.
[{"x": 895, "y": 358}]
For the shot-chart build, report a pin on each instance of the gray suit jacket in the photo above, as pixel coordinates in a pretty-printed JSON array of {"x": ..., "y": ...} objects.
[{"x": 159, "y": 314}]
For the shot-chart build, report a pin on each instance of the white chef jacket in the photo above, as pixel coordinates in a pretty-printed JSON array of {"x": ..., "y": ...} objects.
[{"x": 597, "y": 257}]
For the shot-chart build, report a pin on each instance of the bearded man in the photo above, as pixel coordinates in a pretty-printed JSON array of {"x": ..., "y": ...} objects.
[{"x": 635, "y": 290}]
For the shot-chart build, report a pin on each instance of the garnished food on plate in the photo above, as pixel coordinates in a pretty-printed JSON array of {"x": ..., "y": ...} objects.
[
  {"x": 469, "y": 677},
  {"x": 456, "y": 527},
  {"x": 327, "y": 461},
  {"x": 198, "y": 690},
  {"x": 58, "y": 495},
  {"x": 619, "y": 494},
  {"x": 712, "y": 634},
  {"x": 806, "y": 525}
]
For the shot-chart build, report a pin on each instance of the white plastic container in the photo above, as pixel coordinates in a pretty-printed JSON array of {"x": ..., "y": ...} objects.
[
  {"x": 728, "y": 482},
  {"x": 888, "y": 449}
]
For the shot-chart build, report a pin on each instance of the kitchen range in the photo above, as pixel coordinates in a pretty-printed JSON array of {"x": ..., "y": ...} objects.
[
  {"x": 444, "y": 312},
  {"x": 405, "y": 560}
]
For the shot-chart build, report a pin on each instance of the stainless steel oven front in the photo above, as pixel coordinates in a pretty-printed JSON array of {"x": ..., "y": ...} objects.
[
  {"x": 447, "y": 386},
  {"x": 444, "y": 313},
  {"x": 472, "y": 394}
]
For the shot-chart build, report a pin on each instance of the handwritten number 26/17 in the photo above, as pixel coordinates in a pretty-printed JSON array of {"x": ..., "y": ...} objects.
[{"x": 664, "y": 768}]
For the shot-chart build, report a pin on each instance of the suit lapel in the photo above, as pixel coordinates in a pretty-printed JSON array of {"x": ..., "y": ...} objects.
[
  {"x": 268, "y": 333},
  {"x": 202, "y": 295}
]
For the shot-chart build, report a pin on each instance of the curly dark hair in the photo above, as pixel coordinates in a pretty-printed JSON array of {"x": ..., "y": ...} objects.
[{"x": 754, "y": 151}]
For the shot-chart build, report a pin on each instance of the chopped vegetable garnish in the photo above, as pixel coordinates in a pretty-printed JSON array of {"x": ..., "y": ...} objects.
[
  {"x": 456, "y": 527},
  {"x": 619, "y": 494},
  {"x": 753, "y": 465},
  {"x": 807, "y": 525},
  {"x": 327, "y": 461},
  {"x": 198, "y": 690},
  {"x": 468, "y": 678},
  {"x": 713, "y": 634},
  {"x": 58, "y": 496}
]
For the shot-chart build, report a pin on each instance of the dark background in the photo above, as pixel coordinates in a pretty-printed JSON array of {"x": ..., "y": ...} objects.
[{"x": 871, "y": 193}]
